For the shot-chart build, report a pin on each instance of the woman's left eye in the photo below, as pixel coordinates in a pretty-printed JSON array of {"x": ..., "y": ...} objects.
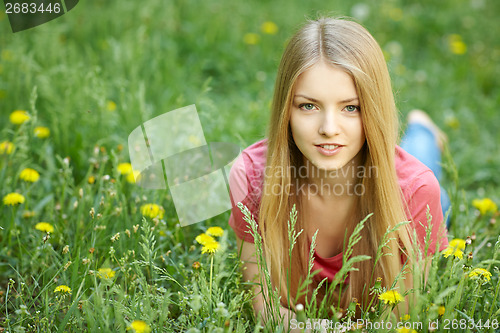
[{"x": 352, "y": 108}]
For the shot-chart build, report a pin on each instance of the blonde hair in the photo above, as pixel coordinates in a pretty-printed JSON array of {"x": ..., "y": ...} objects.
[{"x": 348, "y": 46}]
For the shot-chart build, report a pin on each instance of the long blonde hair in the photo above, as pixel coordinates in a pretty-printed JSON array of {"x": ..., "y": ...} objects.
[{"x": 348, "y": 46}]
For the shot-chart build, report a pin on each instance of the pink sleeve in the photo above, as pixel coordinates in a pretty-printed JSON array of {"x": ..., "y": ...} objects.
[
  {"x": 239, "y": 181},
  {"x": 425, "y": 195}
]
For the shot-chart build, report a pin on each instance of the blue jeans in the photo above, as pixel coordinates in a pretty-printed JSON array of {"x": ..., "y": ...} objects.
[{"x": 420, "y": 142}]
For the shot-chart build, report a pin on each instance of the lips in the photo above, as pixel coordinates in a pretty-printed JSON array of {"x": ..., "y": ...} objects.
[{"x": 328, "y": 149}]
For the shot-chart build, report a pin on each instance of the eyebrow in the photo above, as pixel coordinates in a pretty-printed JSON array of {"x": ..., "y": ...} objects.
[{"x": 348, "y": 100}]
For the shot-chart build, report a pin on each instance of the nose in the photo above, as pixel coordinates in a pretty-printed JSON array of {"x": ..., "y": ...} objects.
[{"x": 329, "y": 125}]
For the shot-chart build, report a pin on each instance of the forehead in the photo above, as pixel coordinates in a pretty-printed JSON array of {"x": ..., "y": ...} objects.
[{"x": 322, "y": 81}]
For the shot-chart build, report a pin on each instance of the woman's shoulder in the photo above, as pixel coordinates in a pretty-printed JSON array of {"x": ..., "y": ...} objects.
[{"x": 411, "y": 172}]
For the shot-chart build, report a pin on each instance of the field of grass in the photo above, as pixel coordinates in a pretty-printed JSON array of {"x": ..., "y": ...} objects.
[{"x": 93, "y": 75}]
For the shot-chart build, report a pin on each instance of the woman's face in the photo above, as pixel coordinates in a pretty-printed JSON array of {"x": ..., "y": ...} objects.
[{"x": 325, "y": 117}]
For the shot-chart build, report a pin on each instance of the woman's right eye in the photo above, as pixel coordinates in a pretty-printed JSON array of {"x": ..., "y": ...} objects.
[{"x": 306, "y": 106}]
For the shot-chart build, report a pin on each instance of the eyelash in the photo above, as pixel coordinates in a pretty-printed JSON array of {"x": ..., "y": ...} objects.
[{"x": 302, "y": 105}]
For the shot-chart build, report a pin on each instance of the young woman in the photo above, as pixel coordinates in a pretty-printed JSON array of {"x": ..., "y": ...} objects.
[{"x": 331, "y": 151}]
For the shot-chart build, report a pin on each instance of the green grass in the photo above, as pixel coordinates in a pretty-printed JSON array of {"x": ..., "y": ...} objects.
[{"x": 156, "y": 56}]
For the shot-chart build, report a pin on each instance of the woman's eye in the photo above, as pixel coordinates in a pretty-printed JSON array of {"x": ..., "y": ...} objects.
[
  {"x": 306, "y": 106},
  {"x": 352, "y": 108}
]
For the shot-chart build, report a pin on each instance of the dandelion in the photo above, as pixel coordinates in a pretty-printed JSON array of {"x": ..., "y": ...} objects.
[
  {"x": 210, "y": 247},
  {"x": 456, "y": 44},
  {"x": 139, "y": 326},
  {"x": 110, "y": 106},
  {"x": 391, "y": 297},
  {"x": 18, "y": 117},
  {"x": 251, "y": 38},
  {"x": 29, "y": 175},
  {"x": 133, "y": 176},
  {"x": 91, "y": 180},
  {"x": 441, "y": 310},
  {"x": 45, "y": 227},
  {"x": 455, "y": 248},
  {"x": 6, "y": 147},
  {"x": 12, "y": 199},
  {"x": 269, "y": 28},
  {"x": 204, "y": 239},
  {"x": 480, "y": 273},
  {"x": 405, "y": 330},
  {"x": 28, "y": 214},
  {"x": 152, "y": 211},
  {"x": 41, "y": 132},
  {"x": 215, "y": 231},
  {"x": 63, "y": 289},
  {"x": 106, "y": 273},
  {"x": 485, "y": 205},
  {"x": 124, "y": 168}
]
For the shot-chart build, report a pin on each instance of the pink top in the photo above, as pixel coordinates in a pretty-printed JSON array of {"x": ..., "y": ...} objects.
[{"x": 418, "y": 183}]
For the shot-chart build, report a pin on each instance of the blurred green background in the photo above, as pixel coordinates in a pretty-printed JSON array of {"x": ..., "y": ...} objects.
[{"x": 107, "y": 66}]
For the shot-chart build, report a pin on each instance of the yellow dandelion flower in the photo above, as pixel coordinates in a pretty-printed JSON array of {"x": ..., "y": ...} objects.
[
  {"x": 204, "y": 239},
  {"x": 453, "y": 251},
  {"x": 455, "y": 248},
  {"x": 91, "y": 180},
  {"x": 391, "y": 297},
  {"x": 29, "y": 175},
  {"x": 63, "y": 289},
  {"x": 210, "y": 247},
  {"x": 269, "y": 28},
  {"x": 28, "y": 214},
  {"x": 480, "y": 273},
  {"x": 405, "y": 330},
  {"x": 139, "y": 326},
  {"x": 456, "y": 44},
  {"x": 45, "y": 227},
  {"x": 41, "y": 132},
  {"x": 457, "y": 243},
  {"x": 215, "y": 231},
  {"x": 110, "y": 106},
  {"x": 106, "y": 273},
  {"x": 133, "y": 176},
  {"x": 485, "y": 205},
  {"x": 124, "y": 168},
  {"x": 152, "y": 211},
  {"x": 251, "y": 38},
  {"x": 12, "y": 199},
  {"x": 19, "y": 116},
  {"x": 6, "y": 147},
  {"x": 441, "y": 310}
]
